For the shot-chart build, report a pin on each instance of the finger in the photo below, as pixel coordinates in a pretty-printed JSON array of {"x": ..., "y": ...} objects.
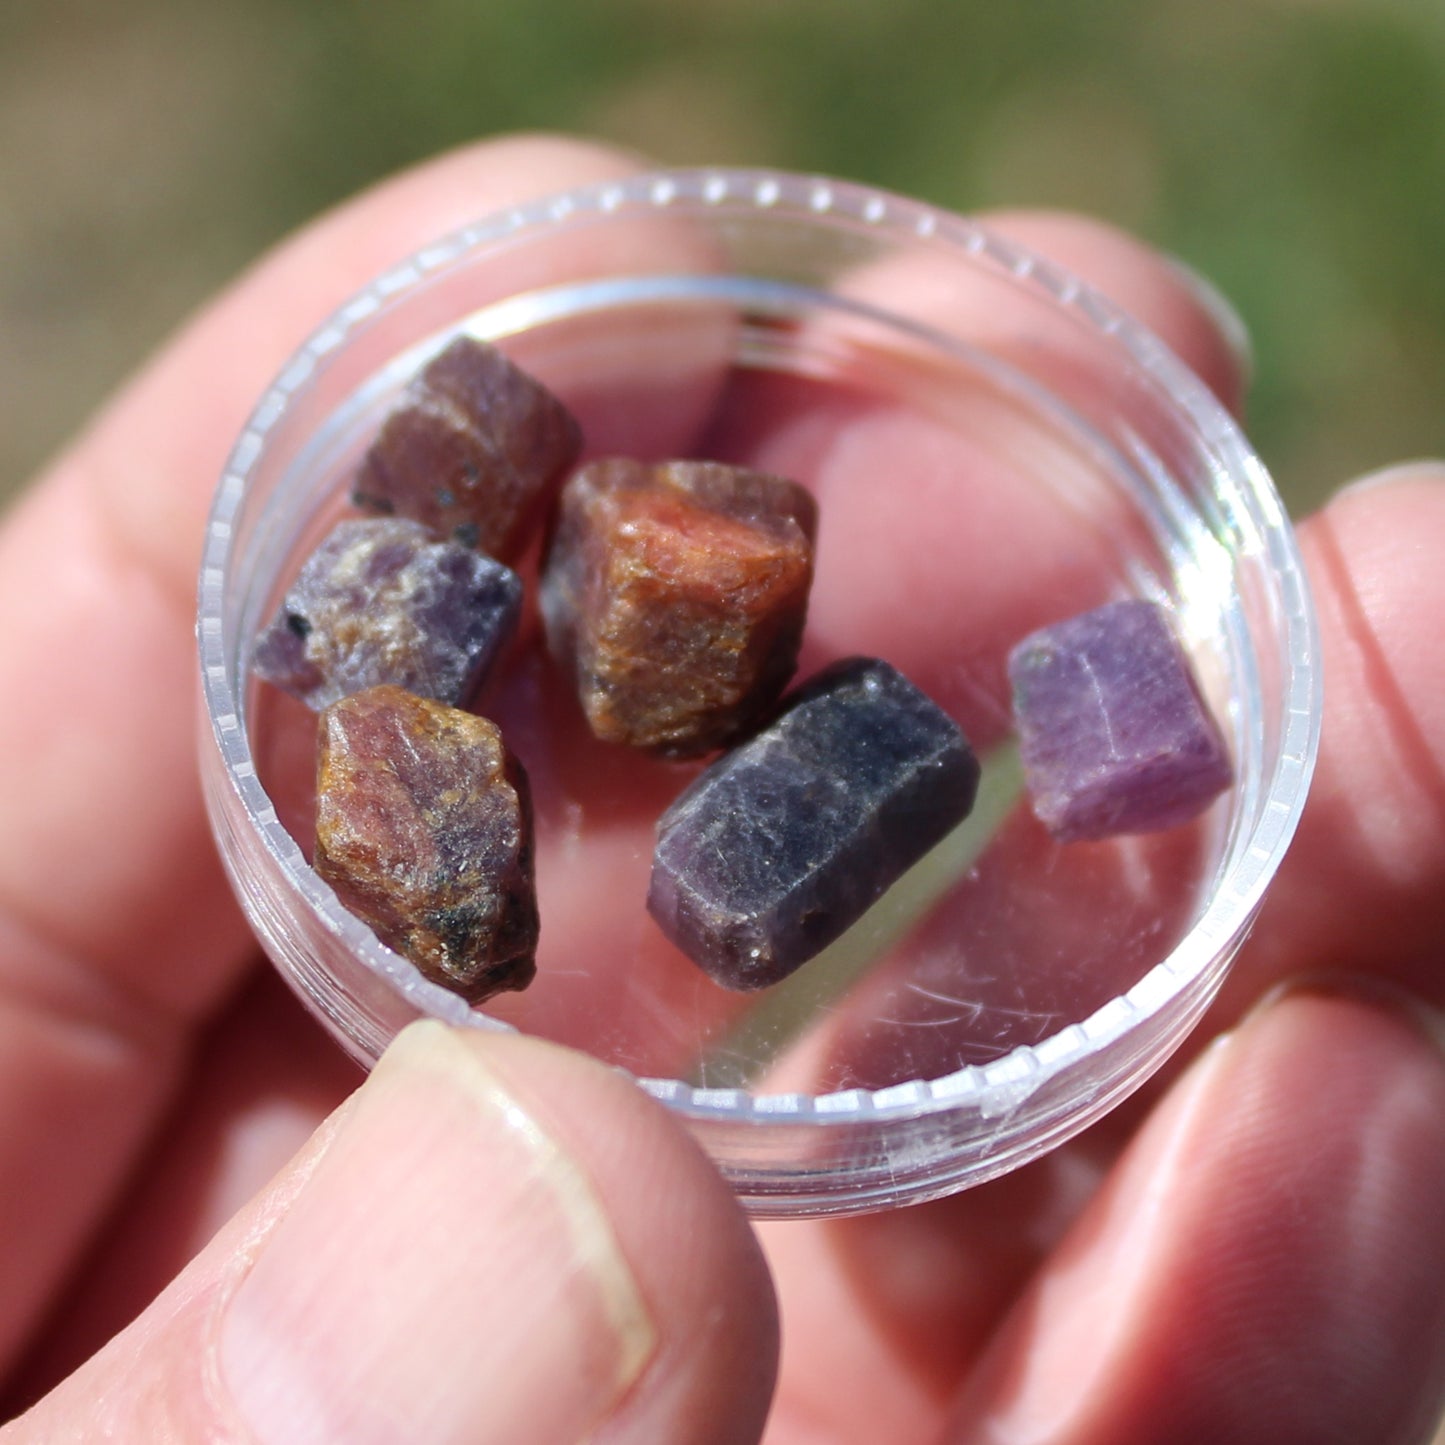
[
  {"x": 883, "y": 1313},
  {"x": 116, "y": 927},
  {"x": 1265, "y": 1264},
  {"x": 263, "y": 1081},
  {"x": 494, "y": 1240},
  {"x": 1362, "y": 882},
  {"x": 1365, "y": 876},
  {"x": 1183, "y": 309}
]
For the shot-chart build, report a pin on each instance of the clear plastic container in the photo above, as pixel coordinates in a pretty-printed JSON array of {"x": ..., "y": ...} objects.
[{"x": 994, "y": 447}]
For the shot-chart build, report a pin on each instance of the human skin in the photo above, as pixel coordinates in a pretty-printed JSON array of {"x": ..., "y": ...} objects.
[{"x": 496, "y": 1239}]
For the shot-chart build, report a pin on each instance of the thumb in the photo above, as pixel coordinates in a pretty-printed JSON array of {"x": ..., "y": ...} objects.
[{"x": 492, "y": 1240}]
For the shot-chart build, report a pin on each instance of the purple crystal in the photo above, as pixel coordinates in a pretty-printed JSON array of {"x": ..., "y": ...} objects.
[
  {"x": 380, "y": 602},
  {"x": 779, "y": 846},
  {"x": 472, "y": 450},
  {"x": 1113, "y": 732}
]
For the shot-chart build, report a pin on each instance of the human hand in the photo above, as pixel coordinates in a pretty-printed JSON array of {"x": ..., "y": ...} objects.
[{"x": 495, "y": 1239}]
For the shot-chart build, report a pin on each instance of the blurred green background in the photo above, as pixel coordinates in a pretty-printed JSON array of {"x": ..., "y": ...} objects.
[{"x": 1293, "y": 150}]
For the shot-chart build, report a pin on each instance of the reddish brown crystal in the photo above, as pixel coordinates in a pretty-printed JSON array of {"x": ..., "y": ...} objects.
[
  {"x": 424, "y": 829},
  {"x": 676, "y": 593},
  {"x": 472, "y": 451}
]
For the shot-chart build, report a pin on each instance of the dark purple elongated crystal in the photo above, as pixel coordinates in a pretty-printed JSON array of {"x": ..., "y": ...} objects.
[
  {"x": 472, "y": 451},
  {"x": 780, "y": 845},
  {"x": 1114, "y": 734},
  {"x": 379, "y": 601}
]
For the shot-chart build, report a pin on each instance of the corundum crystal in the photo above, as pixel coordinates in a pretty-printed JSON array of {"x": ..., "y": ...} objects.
[
  {"x": 380, "y": 601},
  {"x": 472, "y": 450},
  {"x": 424, "y": 829},
  {"x": 780, "y": 845},
  {"x": 675, "y": 595},
  {"x": 1113, "y": 732}
]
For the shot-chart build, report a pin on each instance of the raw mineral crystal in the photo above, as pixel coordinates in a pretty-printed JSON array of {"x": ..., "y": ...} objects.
[
  {"x": 424, "y": 830},
  {"x": 472, "y": 450},
  {"x": 784, "y": 842},
  {"x": 380, "y": 601},
  {"x": 675, "y": 594},
  {"x": 1113, "y": 732}
]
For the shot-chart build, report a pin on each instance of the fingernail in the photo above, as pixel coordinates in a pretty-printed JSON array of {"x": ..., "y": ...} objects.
[
  {"x": 1364, "y": 988},
  {"x": 1221, "y": 311},
  {"x": 1421, "y": 469},
  {"x": 447, "y": 1274}
]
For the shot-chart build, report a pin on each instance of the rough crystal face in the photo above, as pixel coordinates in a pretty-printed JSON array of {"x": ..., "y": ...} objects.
[
  {"x": 1113, "y": 732},
  {"x": 424, "y": 829},
  {"x": 472, "y": 451},
  {"x": 675, "y": 594},
  {"x": 380, "y": 601},
  {"x": 784, "y": 842}
]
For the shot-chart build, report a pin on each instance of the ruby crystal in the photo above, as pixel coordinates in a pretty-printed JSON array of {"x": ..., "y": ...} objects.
[
  {"x": 780, "y": 845},
  {"x": 424, "y": 830},
  {"x": 472, "y": 451},
  {"x": 1114, "y": 734},
  {"x": 380, "y": 601},
  {"x": 675, "y": 595}
]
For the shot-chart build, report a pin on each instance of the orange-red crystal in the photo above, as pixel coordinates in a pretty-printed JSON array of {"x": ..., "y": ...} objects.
[{"x": 675, "y": 594}]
